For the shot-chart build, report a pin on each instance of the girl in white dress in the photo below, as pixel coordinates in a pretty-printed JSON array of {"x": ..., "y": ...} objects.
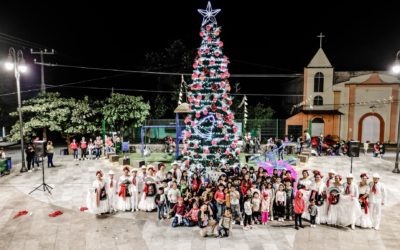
[
  {"x": 364, "y": 220},
  {"x": 147, "y": 202},
  {"x": 318, "y": 193},
  {"x": 161, "y": 175},
  {"x": 97, "y": 201},
  {"x": 124, "y": 202},
  {"x": 333, "y": 207}
]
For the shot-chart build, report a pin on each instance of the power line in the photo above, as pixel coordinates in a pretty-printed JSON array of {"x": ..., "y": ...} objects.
[
  {"x": 42, "y": 53},
  {"x": 170, "y": 73},
  {"x": 20, "y": 41}
]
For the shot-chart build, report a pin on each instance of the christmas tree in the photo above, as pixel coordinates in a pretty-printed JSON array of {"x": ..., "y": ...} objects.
[{"x": 209, "y": 138}]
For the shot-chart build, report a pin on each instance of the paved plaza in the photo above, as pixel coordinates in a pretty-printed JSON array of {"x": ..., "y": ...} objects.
[{"x": 81, "y": 230}]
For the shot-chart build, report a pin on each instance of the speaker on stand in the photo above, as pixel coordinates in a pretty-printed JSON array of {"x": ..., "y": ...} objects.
[
  {"x": 354, "y": 151},
  {"x": 40, "y": 152}
]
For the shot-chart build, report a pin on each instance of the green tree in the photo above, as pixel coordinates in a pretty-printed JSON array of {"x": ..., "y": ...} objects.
[
  {"x": 258, "y": 114},
  {"x": 123, "y": 112},
  {"x": 67, "y": 116}
]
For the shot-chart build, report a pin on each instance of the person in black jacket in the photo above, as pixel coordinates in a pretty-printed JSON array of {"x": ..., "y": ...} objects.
[{"x": 30, "y": 156}]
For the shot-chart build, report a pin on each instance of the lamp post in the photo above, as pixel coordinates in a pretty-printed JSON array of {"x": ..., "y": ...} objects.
[
  {"x": 16, "y": 62},
  {"x": 396, "y": 70}
]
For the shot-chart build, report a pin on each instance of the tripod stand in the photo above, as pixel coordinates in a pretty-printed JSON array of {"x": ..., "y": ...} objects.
[{"x": 45, "y": 186}]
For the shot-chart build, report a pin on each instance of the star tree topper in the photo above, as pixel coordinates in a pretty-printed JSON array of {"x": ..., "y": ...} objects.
[{"x": 208, "y": 14}]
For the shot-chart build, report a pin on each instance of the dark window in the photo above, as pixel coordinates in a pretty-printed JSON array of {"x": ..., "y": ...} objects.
[
  {"x": 318, "y": 101},
  {"x": 319, "y": 82}
]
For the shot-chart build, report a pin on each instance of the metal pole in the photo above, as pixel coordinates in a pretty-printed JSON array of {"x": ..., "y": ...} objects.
[
  {"x": 177, "y": 136},
  {"x": 17, "y": 75},
  {"x": 351, "y": 164},
  {"x": 396, "y": 164}
]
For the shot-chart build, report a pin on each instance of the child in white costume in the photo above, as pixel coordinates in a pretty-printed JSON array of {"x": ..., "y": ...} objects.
[
  {"x": 377, "y": 199},
  {"x": 147, "y": 201},
  {"x": 318, "y": 193},
  {"x": 97, "y": 201},
  {"x": 125, "y": 191},
  {"x": 136, "y": 185},
  {"x": 111, "y": 189},
  {"x": 364, "y": 189}
]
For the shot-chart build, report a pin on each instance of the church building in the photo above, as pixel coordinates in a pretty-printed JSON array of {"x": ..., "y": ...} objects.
[{"x": 362, "y": 105}]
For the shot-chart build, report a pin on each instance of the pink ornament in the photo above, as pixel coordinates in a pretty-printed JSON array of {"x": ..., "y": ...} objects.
[
  {"x": 223, "y": 68},
  {"x": 225, "y": 137},
  {"x": 224, "y": 108},
  {"x": 218, "y": 115},
  {"x": 201, "y": 33},
  {"x": 196, "y": 146},
  {"x": 220, "y": 125},
  {"x": 209, "y": 39},
  {"x": 199, "y": 97},
  {"x": 215, "y": 99},
  {"x": 195, "y": 65},
  {"x": 231, "y": 116},
  {"x": 205, "y": 112},
  {"x": 233, "y": 145},
  {"x": 187, "y": 119},
  {"x": 212, "y": 62},
  {"x": 225, "y": 96},
  {"x": 192, "y": 124},
  {"x": 214, "y": 142},
  {"x": 235, "y": 129},
  {"x": 212, "y": 74},
  {"x": 208, "y": 27},
  {"x": 227, "y": 152},
  {"x": 238, "y": 151},
  {"x": 222, "y": 84},
  {"x": 207, "y": 51},
  {"x": 217, "y": 53},
  {"x": 206, "y": 151},
  {"x": 199, "y": 52},
  {"x": 220, "y": 44},
  {"x": 187, "y": 162},
  {"x": 197, "y": 115}
]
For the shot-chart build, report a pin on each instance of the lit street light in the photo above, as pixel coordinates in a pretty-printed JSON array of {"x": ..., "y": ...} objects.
[
  {"x": 396, "y": 70},
  {"x": 16, "y": 62}
]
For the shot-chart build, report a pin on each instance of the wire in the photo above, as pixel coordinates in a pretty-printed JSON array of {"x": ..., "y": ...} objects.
[
  {"x": 167, "y": 73},
  {"x": 20, "y": 41}
]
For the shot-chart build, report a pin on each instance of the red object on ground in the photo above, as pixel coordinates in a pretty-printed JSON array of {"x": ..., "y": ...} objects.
[
  {"x": 56, "y": 213},
  {"x": 20, "y": 213},
  {"x": 83, "y": 209}
]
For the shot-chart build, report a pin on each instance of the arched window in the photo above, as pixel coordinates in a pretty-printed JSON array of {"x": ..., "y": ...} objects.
[
  {"x": 319, "y": 82},
  {"x": 318, "y": 101}
]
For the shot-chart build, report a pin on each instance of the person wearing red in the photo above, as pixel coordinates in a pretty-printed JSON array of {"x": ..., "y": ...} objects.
[
  {"x": 220, "y": 200},
  {"x": 245, "y": 185},
  {"x": 83, "y": 145},
  {"x": 74, "y": 148},
  {"x": 196, "y": 182},
  {"x": 179, "y": 209},
  {"x": 299, "y": 206}
]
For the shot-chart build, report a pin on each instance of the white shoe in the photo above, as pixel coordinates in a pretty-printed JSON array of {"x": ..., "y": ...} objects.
[
  {"x": 353, "y": 227},
  {"x": 376, "y": 228},
  {"x": 29, "y": 171}
]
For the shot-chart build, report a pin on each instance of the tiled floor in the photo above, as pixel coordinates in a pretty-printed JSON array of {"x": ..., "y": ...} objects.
[{"x": 80, "y": 230}]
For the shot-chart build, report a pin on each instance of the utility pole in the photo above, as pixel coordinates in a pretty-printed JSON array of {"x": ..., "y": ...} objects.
[{"x": 42, "y": 53}]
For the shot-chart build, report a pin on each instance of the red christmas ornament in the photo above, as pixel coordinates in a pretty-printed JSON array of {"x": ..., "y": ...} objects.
[
  {"x": 213, "y": 107},
  {"x": 220, "y": 125},
  {"x": 197, "y": 115},
  {"x": 199, "y": 97},
  {"x": 196, "y": 146},
  {"x": 209, "y": 39},
  {"x": 187, "y": 119},
  {"x": 212, "y": 62},
  {"x": 218, "y": 115},
  {"x": 195, "y": 65},
  {"x": 201, "y": 33},
  {"x": 215, "y": 99},
  {"x": 206, "y": 151},
  {"x": 192, "y": 124},
  {"x": 225, "y": 137},
  {"x": 214, "y": 142},
  {"x": 217, "y": 53},
  {"x": 214, "y": 87},
  {"x": 217, "y": 32},
  {"x": 207, "y": 51},
  {"x": 227, "y": 152},
  {"x": 238, "y": 151},
  {"x": 224, "y": 108},
  {"x": 224, "y": 96},
  {"x": 220, "y": 44},
  {"x": 222, "y": 84},
  {"x": 208, "y": 27},
  {"x": 233, "y": 145},
  {"x": 199, "y": 52},
  {"x": 229, "y": 102},
  {"x": 235, "y": 129},
  {"x": 205, "y": 112}
]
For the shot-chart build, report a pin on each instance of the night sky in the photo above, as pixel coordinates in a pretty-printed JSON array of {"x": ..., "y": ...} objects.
[{"x": 264, "y": 37}]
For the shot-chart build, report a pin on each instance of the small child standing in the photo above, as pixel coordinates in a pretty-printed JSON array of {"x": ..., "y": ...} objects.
[
  {"x": 247, "y": 213},
  {"x": 289, "y": 200},
  {"x": 256, "y": 202},
  {"x": 265, "y": 204},
  {"x": 225, "y": 224},
  {"x": 299, "y": 206},
  {"x": 280, "y": 201},
  {"x": 313, "y": 210},
  {"x": 160, "y": 202}
]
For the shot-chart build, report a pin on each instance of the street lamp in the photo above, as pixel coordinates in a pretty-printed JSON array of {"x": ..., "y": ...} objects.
[
  {"x": 396, "y": 70},
  {"x": 16, "y": 62}
]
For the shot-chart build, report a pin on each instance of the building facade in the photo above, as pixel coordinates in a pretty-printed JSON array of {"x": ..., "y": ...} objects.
[{"x": 362, "y": 105}]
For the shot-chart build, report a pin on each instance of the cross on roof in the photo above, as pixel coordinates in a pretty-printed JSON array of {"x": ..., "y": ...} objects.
[{"x": 320, "y": 36}]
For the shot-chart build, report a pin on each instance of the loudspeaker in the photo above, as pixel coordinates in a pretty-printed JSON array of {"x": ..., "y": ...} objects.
[
  {"x": 40, "y": 148},
  {"x": 354, "y": 149}
]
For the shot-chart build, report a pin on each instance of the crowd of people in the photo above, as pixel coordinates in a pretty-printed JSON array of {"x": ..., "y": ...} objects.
[{"x": 245, "y": 196}]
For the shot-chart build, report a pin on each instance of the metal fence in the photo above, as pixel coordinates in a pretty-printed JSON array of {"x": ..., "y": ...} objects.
[{"x": 260, "y": 128}]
